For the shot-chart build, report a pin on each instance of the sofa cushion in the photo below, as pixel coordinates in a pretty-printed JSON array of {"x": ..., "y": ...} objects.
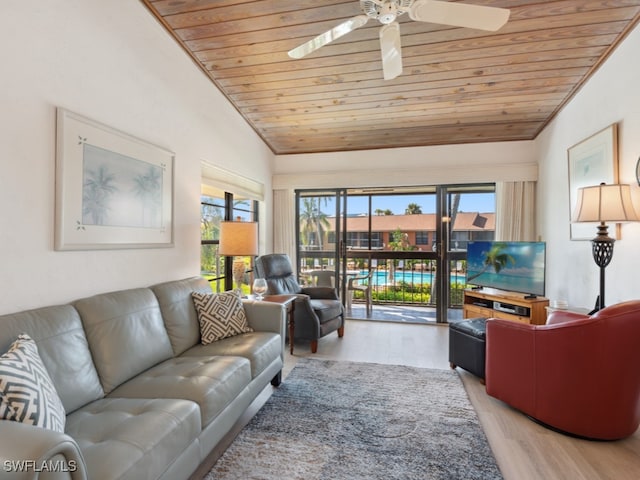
[
  {"x": 127, "y": 438},
  {"x": 64, "y": 350},
  {"x": 126, "y": 334},
  {"x": 211, "y": 382},
  {"x": 260, "y": 348},
  {"x": 474, "y": 327},
  {"x": 27, "y": 393},
  {"x": 326, "y": 309},
  {"x": 179, "y": 312},
  {"x": 220, "y": 315}
]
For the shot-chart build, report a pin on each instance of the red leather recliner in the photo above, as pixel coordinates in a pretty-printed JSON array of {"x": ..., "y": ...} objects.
[{"x": 577, "y": 374}]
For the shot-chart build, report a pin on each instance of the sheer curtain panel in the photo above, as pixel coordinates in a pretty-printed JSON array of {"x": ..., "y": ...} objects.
[
  {"x": 284, "y": 222},
  {"x": 515, "y": 211}
]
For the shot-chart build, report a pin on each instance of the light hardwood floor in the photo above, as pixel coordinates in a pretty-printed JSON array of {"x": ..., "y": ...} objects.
[{"x": 523, "y": 449}]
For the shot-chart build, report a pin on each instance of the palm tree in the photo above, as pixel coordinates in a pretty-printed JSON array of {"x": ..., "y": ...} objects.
[
  {"x": 96, "y": 192},
  {"x": 496, "y": 259},
  {"x": 148, "y": 187},
  {"x": 399, "y": 242},
  {"x": 413, "y": 209},
  {"x": 313, "y": 220},
  {"x": 380, "y": 212}
]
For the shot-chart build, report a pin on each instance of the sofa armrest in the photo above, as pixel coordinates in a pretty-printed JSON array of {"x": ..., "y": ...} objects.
[
  {"x": 28, "y": 452},
  {"x": 266, "y": 316},
  {"x": 510, "y": 362}
]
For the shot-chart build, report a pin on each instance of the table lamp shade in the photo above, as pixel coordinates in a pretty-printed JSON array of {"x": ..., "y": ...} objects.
[
  {"x": 238, "y": 239},
  {"x": 604, "y": 203}
]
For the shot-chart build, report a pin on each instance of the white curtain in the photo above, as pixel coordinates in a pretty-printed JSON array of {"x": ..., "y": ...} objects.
[
  {"x": 515, "y": 211},
  {"x": 284, "y": 222}
]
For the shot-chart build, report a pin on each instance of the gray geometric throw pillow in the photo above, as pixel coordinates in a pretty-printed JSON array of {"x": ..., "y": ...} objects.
[
  {"x": 221, "y": 315},
  {"x": 27, "y": 393}
]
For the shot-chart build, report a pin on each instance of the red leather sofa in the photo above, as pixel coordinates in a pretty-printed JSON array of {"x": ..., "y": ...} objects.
[{"x": 578, "y": 374}]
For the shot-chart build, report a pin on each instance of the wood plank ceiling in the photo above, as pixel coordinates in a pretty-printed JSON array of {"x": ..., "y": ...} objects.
[{"x": 458, "y": 85}]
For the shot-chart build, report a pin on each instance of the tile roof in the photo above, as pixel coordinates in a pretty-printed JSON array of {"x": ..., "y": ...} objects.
[{"x": 465, "y": 221}]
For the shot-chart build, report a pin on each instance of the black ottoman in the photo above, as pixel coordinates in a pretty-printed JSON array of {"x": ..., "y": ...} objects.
[{"x": 467, "y": 346}]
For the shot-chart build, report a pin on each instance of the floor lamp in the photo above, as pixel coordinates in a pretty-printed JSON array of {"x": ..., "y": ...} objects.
[
  {"x": 604, "y": 203},
  {"x": 238, "y": 239}
]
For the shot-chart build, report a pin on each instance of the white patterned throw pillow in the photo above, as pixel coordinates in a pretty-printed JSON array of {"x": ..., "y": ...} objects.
[
  {"x": 27, "y": 393},
  {"x": 220, "y": 315}
]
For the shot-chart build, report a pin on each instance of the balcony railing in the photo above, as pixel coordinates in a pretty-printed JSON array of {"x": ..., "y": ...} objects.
[{"x": 399, "y": 278}]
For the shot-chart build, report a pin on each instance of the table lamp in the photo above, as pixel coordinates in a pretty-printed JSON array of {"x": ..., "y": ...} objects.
[
  {"x": 238, "y": 239},
  {"x": 604, "y": 203}
]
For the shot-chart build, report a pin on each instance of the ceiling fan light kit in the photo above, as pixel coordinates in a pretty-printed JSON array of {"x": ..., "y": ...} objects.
[{"x": 387, "y": 11}]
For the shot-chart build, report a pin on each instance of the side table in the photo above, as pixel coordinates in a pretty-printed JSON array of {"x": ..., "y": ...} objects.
[{"x": 289, "y": 303}]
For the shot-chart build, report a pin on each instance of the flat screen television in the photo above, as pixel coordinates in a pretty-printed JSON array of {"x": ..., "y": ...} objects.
[{"x": 512, "y": 266}]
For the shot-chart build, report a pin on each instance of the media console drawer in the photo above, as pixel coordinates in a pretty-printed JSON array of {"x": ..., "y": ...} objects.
[
  {"x": 471, "y": 311},
  {"x": 490, "y": 302}
]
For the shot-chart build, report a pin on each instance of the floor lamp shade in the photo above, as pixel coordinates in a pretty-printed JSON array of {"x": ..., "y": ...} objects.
[
  {"x": 604, "y": 203},
  {"x": 238, "y": 239}
]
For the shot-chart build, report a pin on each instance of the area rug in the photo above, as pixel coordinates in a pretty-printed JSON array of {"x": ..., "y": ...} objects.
[{"x": 334, "y": 420}]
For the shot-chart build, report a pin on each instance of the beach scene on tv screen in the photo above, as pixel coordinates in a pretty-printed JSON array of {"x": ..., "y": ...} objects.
[{"x": 516, "y": 266}]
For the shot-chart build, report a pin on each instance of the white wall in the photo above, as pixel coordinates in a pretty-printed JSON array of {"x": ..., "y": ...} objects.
[
  {"x": 612, "y": 95},
  {"x": 110, "y": 61},
  {"x": 469, "y": 163}
]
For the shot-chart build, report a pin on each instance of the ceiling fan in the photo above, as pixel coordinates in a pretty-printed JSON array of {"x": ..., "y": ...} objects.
[{"x": 386, "y": 12}]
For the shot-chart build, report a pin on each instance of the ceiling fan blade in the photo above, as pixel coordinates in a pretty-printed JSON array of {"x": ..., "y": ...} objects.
[
  {"x": 328, "y": 36},
  {"x": 391, "y": 50},
  {"x": 459, "y": 14}
]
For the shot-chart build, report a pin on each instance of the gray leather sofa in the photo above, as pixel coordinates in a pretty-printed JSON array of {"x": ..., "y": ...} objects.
[{"x": 144, "y": 398}]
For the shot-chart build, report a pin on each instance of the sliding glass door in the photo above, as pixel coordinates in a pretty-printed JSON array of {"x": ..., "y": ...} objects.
[
  {"x": 465, "y": 213},
  {"x": 412, "y": 239},
  {"x": 320, "y": 236}
]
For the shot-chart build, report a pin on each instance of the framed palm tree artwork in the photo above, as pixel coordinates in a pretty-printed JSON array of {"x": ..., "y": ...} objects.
[
  {"x": 112, "y": 190},
  {"x": 591, "y": 162}
]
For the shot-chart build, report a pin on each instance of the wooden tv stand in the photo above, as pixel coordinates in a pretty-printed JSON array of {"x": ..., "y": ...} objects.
[{"x": 509, "y": 306}]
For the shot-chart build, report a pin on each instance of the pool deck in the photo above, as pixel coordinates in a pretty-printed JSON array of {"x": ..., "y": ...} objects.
[{"x": 400, "y": 313}]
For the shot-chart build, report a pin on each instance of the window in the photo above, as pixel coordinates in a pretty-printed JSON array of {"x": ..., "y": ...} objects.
[
  {"x": 361, "y": 239},
  {"x": 422, "y": 237},
  {"x": 376, "y": 240},
  {"x": 216, "y": 206},
  {"x": 212, "y": 210}
]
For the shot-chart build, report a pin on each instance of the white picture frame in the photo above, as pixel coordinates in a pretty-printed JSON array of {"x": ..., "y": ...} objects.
[
  {"x": 591, "y": 162},
  {"x": 112, "y": 190}
]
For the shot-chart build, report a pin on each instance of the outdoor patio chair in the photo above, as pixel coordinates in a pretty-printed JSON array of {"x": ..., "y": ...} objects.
[
  {"x": 362, "y": 284},
  {"x": 322, "y": 278}
]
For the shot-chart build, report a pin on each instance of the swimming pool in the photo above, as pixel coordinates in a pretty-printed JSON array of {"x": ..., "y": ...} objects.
[{"x": 381, "y": 277}]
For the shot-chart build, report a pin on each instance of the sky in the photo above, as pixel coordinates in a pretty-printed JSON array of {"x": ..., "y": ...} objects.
[{"x": 469, "y": 202}]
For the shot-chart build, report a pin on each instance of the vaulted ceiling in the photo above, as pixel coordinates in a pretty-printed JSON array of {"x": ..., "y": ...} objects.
[{"x": 458, "y": 85}]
